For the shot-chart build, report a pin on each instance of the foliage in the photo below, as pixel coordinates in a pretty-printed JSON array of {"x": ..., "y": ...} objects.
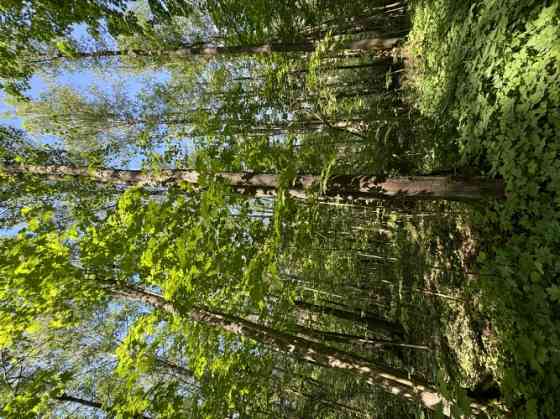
[
  {"x": 128, "y": 298},
  {"x": 31, "y": 28},
  {"x": 272, "y": 20},
  {"x": 38, "y": 264},
  {"x": 494, "y": 69}
]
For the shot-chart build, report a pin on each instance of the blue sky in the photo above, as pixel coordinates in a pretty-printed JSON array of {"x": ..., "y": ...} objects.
[{"x": 82, "y": 81}]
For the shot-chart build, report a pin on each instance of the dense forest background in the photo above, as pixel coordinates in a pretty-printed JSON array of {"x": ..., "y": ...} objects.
[{"x": 279, "y": 209}]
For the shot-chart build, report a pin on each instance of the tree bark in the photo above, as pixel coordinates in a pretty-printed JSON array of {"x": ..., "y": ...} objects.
[
  {"x": 264, "y": 184},
  {"x": 391, "y": 380},
  {"x": 379, "y": 43},
  {"x": 89, "y": 403}
]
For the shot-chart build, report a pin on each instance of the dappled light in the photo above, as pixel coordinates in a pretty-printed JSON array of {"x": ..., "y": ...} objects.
[{"x": 279, "y": 209}]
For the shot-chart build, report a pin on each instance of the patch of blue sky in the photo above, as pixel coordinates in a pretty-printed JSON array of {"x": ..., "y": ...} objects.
[
  {"x": 85, "y": 80},
  {"x": 8, "y": 114},
  {"x": 12, "y": 231}
]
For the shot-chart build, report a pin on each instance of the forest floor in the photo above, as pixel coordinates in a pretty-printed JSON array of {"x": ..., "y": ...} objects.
[
  {"x": 465, "y": 346},
  {"x": 487, "y": 75}
]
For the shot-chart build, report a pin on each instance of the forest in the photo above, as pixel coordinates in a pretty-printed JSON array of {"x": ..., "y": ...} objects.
[{"x": 279, "y": 209}]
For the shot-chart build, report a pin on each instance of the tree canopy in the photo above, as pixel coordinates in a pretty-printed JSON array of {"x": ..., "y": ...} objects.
[{"x": 278, "y": 209}]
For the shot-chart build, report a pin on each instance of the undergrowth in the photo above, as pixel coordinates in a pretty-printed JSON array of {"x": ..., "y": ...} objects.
[{"x": 489, "y": 73}]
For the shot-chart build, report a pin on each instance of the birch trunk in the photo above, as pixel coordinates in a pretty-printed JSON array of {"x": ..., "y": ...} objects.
[{"x": 264, "y": 184}]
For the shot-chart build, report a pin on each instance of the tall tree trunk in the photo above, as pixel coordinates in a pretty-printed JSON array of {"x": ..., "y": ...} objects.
[
  {"x": 391, "y": 380},
  {"x": 263, "y": 184},
  {"x": 383, "y": 63},
  {"x": 379, "y": 43},
  {"x": 333, "y": 404},
  {"x": 84, "y": 402}
]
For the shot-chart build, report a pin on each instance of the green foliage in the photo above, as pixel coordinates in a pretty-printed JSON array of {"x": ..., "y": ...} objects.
[
  {"x": 119, "y": 273},
  {"x": 30, "y": 28},
  {"x": 187, "y": 246},
  {"x": 493, "y": 67},
  {"x": 205, "y": 248},
  {"x": 164, "y": 250},
  {"x": 259, "y": 21}
]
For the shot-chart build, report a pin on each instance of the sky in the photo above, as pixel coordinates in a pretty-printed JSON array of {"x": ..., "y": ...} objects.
[{"x": 82, "y": 80}]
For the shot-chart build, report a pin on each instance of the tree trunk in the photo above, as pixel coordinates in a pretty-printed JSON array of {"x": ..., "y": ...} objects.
[
  {"x": 370, "y": 44},
  {"x": 263, "y": 184},
  {"x": 375, "y": 324},
  {"x": 383, "y": 63},
  {"x": 391, "y": 380},
  {"x": 89, "y": 403}
]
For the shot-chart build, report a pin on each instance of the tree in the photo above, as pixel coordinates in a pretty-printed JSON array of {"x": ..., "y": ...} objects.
[
  {"x": 197, "y": 286},
  {"x": 250, "y": 21},
  {"x": 50, "y": 28},
  {"x": 430, "y": 187},
  {"x": 30, "y": 28},
  {"x": 65, "y": 275},
  {"x": 244, "y": 121}
]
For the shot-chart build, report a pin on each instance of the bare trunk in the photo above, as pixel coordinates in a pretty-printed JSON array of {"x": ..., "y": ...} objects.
[
  {"x": 361, "y": 341},
  {"x": 263, "y": 184},
  {"x": 383, "y": 63},
  {"x": 370, "y": 44},
  {"x": 72, "y": 399},
  {"x": 375, "y": 324},
  {"x": 335, "y": 405}
]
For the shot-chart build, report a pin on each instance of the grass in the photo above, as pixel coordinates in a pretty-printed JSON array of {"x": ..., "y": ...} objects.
[{"x": 487, "y": 75}]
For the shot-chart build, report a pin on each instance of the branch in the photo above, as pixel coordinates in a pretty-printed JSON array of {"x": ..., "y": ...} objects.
[{"x": 64, "y": 397}]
